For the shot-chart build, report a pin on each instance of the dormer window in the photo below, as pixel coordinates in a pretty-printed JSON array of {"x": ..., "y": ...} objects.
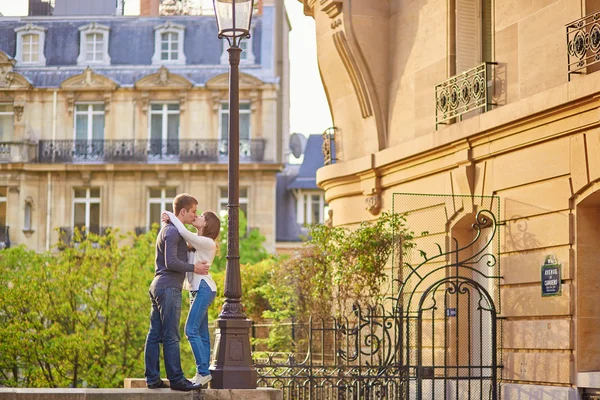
[
  {"x": 246, "y": 56},
  {"x": 168, "y": 44},
  {"x": 93, "y": 49},
  {"x": 30, "y": 45}
]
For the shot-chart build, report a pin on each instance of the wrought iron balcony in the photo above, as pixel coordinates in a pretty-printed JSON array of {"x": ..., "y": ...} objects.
[
  {"x": 583, "y": 44},
  {"x": 463, "y": 93},
  {"x": 14, "y": 152},
  {"x": 146, "y": 151}
]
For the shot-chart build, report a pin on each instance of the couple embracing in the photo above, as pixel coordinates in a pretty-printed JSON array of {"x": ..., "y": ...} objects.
[{"x": 183, "y": 259}]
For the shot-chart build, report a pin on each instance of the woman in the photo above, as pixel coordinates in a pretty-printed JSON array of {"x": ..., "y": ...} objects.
[{"x": 202, "y": 287}]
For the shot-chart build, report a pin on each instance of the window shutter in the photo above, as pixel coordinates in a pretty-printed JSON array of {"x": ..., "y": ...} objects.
[
  {"x": 468, "y": 34},
  {"x": 488, "y": 29}
]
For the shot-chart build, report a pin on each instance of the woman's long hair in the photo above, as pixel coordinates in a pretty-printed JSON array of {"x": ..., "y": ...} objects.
[{"x": 212, "y": 226}]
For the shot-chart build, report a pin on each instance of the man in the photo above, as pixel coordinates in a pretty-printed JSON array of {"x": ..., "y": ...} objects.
[{"x": 165, "y": 294}]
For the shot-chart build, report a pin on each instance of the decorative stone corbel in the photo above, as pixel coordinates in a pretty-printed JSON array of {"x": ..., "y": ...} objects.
[
  {"x": 253, "y": 100},
  {"x": 18, "y": 108},
  {"x": 373, "y": 203},
  {"x": 161, "y": 176},
  {"x": 216, "y": 99},
  {"x": 107, "y": 101},
  {"x": 182, "y": 100},
  {"x": 86, "y": 177},
  {"x": 144, "y": 100},
  {"x": 332, "y": 7},
  {"x": 70, "y": 102}
]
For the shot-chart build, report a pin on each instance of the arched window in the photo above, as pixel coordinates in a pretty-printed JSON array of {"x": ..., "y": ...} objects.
[
  {"x": 93, "y": 48},
  {"x": 168, "y": 44},
  {"x": 30, "y": 45}
]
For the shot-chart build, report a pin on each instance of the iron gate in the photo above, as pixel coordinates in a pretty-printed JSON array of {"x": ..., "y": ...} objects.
[{"x": 434, "y": 337}]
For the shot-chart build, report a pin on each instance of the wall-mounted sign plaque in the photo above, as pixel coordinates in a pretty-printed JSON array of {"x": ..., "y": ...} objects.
[{"x": 551, "y": 284}]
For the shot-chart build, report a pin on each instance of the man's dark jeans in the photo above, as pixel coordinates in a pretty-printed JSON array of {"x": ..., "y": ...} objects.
[{"x": 164, "y": 327}]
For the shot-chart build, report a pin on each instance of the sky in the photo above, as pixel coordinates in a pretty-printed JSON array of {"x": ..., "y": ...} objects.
[{"x": 309, "y": 112}]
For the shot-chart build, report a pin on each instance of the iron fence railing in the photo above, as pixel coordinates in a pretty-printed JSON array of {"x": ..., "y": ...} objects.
[
  {"x": 583, "y": 44},
  {"x": 463, "y": 93},
  {"x": 139, "y": 151}
]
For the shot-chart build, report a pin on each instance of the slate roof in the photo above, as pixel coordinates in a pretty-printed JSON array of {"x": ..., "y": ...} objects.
[
  {"x": 313, "y": 160},
  {"x": 131, "y": 47}
]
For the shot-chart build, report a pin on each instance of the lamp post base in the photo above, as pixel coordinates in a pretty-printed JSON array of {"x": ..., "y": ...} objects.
[{"x": 232, "y": 364}]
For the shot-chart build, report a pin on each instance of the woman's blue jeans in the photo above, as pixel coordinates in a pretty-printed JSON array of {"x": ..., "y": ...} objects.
[{"x": 196, "y": 326}]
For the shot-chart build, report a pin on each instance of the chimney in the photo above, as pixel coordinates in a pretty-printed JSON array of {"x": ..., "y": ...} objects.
[{"x": 149, "y": 8}]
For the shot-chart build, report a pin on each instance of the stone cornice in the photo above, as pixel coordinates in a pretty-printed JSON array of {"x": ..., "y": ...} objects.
[{"x": 89, "y": 80}]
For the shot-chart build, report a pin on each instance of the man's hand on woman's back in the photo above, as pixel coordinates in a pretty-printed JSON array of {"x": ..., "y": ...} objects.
[{"x": 201, "y": 267}]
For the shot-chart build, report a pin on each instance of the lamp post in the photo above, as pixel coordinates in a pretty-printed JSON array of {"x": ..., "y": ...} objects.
[{"x": 232, "y": 367}]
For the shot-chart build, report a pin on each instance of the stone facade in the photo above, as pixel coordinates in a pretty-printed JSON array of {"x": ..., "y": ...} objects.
[
  {"x": 139, "y": 155},
  {"x": 536, "y": 148}
]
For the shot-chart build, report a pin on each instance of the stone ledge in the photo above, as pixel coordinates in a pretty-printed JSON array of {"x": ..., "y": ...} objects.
[{"x": 139, "y": 394}]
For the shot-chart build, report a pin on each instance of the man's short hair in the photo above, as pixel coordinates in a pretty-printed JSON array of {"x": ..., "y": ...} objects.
[{"x": 183, "y": 201}]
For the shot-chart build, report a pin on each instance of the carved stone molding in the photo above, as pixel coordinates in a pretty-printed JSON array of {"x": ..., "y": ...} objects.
[
  {"x": 356, "y": 76},
  {"x": 163, "y": 79},
  {"x": 182, "y": 100},
  {"x": 144, "y": 101},
  {"x": 217, "y": 99},
  {"x": 107, "y": 101},
  {"x": 86, "y": 177},
  {"x": 89, "y": 80},
  {"x": 9, "y": 79},
  {"x": 373, "y": 204},
  {"x": 70, "y": 102},
  {"x": 332, "y": 7}
]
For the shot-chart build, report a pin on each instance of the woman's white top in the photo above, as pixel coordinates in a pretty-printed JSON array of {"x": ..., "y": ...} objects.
[{"x": 205, "y": 251}]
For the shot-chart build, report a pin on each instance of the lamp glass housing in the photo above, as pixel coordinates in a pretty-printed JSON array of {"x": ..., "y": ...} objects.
[{"x": 233, "y": 17}]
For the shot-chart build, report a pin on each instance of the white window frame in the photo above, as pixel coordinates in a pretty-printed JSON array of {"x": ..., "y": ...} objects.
[
  {"x": 304, "y": 197},
  {"x": 168, "y": 27},
  {"x": 164, "y": 112},
  {"x": 87, "y": 200},
  {"x": 86, "y": 30},
  {"x": 246, "y": 56},
  {"x": 30, "y": 29},
  {"x": 224, "y": 201},
  {"x": 90, "y": 113},
  {"x": 163, "y": 200},
  {"x": 223, "y": 112}
]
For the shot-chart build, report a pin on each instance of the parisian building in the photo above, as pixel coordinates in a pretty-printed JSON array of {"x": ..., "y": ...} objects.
[
  {"x": 479, "y": 120},
  {"x": 104, "y": 119}
]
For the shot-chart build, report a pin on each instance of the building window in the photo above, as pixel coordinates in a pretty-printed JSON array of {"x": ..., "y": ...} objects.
[
  {"x": 168, "y": 44},
  {"x": 247, "y": 54},
  {"x": 244, "y": 120},
  {"x": 86, "y": 210},
  {"x": 310, "y": 208},
  {"x": 159, "y": 200},
  {"x": 6, "y": 122},
  {"x": 28, "y": 215},
  {"x": 224, "y": 200},
  {"x": 164, "y": 130},
  {"x": 93, "y": 45},
  {"x": 30, "y": 45},
  {"x": 89, "y": 130},
  {"x": 474, "y": 31}
]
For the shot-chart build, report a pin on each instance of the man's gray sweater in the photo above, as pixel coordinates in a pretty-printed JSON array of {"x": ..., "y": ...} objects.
[{"x": 171, "y": 251}]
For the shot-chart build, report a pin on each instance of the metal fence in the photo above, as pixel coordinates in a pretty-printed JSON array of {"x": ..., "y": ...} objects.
[
  {"x": 463, "y": 93},
  {"x": 437, "y": 334},
  {"x": 583, "y": 44},
  {"x": 140, "y": 151}
]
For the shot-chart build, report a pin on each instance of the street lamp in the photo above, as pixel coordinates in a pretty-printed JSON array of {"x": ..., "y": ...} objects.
[{"x": 233, "y": 368}]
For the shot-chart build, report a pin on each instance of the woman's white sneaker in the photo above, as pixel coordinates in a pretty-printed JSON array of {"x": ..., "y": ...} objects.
[{"x": 202, "y": 380}]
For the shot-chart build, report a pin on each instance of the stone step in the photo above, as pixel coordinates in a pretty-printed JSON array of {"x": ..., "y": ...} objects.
[{"x": 139, "y": 394}]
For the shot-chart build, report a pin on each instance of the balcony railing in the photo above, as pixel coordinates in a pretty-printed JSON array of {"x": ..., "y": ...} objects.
[
  {"x": 583, "y": 44},
  {"x": 463, "y": 93},
  {"x": 17, "y": 152},
  {"x": 146, "y": 151}
]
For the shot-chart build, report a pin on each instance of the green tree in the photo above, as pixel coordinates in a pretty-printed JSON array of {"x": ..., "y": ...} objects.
[{"x": 77, "y": 317}]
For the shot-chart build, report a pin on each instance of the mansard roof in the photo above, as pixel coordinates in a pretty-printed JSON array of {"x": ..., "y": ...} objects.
[{"x": 131, "y": 47}]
